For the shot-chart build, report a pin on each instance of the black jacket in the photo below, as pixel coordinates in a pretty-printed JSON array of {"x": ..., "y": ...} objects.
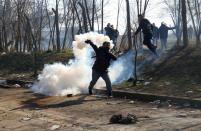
[
  {"x": 163, "y": 31},
  {"x": 103, "y": 58},
  {"x": 155, "y": 32},
  {"x": 146, "y": 27}
]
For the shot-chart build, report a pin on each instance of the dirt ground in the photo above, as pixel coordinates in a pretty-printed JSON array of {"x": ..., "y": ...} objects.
[{"x": 22, "y": 110}]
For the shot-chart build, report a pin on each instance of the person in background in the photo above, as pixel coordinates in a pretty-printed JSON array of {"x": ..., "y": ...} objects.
[
  {"x": 112, "y": 34},
  {"x": 115, "y": 34},
  {"x": 163, "y": 34},
  {"x": 190, "y": 32},
  {"x": 155, "y": 34},
  {"x": 109, "y": 31},
  {"x": 146, "y": 28},
  {"x": 101, "y": 64}
]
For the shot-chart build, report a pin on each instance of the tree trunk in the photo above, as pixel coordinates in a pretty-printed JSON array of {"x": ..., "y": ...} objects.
[
  {"x": 1, "y": 46},
  {"x": 102, "y": 15},
  {"x": 184, "y": 20},
  {"x": 40, "y": 28},
  {"x": 77, "y": 14},
  {"x": 84, "y": 17},
  {"x": 57, "y": 26},
  {"x": 86, "y": 13},
  {"x": 128, "y": 25},
  {"x": 93, "y": 14},
  {"x": 5, "y": 38}
]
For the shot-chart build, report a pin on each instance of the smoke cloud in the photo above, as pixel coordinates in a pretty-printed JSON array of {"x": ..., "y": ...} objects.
[{"x": 73, "y": 78}]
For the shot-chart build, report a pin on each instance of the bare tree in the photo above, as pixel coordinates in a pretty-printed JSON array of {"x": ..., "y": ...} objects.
[
  {"x": 174, "y": 8},
  {"x": 195, "y": 13},
  {"x": 56, "y": 12},
  {"x": 128, "y": 25},
  {"x": 184, "y": 22},
  {"x": 102, "y": 15}
]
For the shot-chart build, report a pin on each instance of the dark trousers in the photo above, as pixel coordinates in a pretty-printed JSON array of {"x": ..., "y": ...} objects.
[
  {"x": 163, "y": 43},
  {"x": 96, "y": 75},
  {"x": 147, "y": 42}
]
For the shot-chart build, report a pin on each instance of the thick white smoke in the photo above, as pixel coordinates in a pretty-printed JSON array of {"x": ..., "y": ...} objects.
[{"x": 59, "y": 79}]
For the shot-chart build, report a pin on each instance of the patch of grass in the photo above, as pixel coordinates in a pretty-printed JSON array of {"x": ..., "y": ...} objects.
[{"x": 25, "y": 62}]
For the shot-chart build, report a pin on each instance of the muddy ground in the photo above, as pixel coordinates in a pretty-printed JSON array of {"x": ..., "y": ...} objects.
[{"x": 22, "y": 110}]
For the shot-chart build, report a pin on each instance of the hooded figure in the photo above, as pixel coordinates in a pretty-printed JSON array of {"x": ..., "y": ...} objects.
[
  {"x": 163, "y": 33},
  {"x": 147, "y": 30},
  {"x": 101, "y": 65}
]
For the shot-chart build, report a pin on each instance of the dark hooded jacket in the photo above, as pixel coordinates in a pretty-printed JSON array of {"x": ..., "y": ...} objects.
[
  {"x": 163, "y": 31},
  {"x": 146, "y": 27},
  {"x": 103, "y": 58}
]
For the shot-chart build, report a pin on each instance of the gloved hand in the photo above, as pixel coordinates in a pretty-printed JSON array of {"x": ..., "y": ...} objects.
[{"x": 88, "y": 41}]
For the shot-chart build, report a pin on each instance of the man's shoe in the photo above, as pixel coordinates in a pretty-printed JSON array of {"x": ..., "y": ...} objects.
[{"x": 110, "y": 97}]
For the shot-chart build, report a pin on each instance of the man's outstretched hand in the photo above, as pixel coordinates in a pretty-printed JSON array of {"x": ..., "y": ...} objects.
[{"x": 88, "y": 41}]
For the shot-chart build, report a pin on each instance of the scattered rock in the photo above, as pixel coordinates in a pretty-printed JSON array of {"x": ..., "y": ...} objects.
[
  {"x": 131, "y": 102},
  {"x": 17, "y": 86},
  {"x": 4, "y": 53},
  {"x": 147, "y": 83},
  {"x": 69, "y": 95},
  {"x": 176, "y": 129},
  {"x": 186, "y": 104},
  {"x": 189, "y": 92},
  {"x": 120, "y": 119},
  {"x": 156, "y": 102},
  {"x": 3, "y": 82},
  {"x": 181, "y": 115},
  {"x": 150, "y": 78},
  {"x": 26, "y": 118},
  {"x": 164, "y": 104},
  {"x": 112, "y": 103},
  {"x": 28, "y": 85},
  {"x": 167, "y": 83},
  {"x": 54, "y": 127},
  {"x": 100, "y": 96}
]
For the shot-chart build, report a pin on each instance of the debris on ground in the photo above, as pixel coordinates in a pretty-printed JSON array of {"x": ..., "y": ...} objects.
[
  {"x": 147, "y": 83},
  {"x": 28, "y": 85},
  {"x": 131, "y": 102},
  {"x": 100, "y": 96},
  {"x": 16, "y": 85},
  {"x": 3, "y": 82},
  {"x": 69, "y": 95},
  {"x": 26, "y": 118},
  {"x": 186, "y": 104},
  {"x": 181, "y": 115},
  {"x": 112, "y": 103},
  {"x": 167, "y": 83},
  {"x": 120, "y": 119},
  {"x": 150, "y": 78},
  {"x": 156, "y": 102},
  {"x": 189, "y": 92},
  {"x": 165, "y": 104},
  {"x": 54, "y": 127},
  {"x": 161, "y": 104}
]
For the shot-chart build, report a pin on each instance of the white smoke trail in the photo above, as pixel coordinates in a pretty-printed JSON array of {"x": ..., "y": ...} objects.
[{"x": 59, "y": 79}]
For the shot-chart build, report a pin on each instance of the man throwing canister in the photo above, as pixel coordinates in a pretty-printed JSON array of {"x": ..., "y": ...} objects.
[{"x": 101, "y": 64}]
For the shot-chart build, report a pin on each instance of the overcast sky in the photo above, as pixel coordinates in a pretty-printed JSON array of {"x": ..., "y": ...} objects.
[{"x": 156, "y": 13}]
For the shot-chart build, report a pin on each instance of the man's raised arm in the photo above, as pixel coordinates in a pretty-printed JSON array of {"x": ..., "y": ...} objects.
[{"x": 92, "y": 45}]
